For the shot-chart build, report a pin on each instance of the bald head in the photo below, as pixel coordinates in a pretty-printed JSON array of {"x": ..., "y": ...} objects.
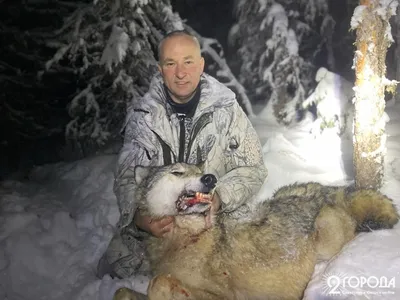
[{"x": 177, "y": 33}]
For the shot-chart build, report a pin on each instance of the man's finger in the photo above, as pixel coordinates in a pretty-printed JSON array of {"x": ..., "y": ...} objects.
[
  {"x": 165, "y": 221},
  {"x": 168, "y": 227}
]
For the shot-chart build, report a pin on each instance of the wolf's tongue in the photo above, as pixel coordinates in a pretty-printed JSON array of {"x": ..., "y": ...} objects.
[{"x": 192, "y": 201}]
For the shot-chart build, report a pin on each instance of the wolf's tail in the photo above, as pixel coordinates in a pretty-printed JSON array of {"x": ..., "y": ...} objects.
[
  {"x": 371, "y": 210},
  {"x": 298, "y": 206}
]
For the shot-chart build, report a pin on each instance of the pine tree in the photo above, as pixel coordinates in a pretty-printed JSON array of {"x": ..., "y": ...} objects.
[{"x": 274, "y": 48}]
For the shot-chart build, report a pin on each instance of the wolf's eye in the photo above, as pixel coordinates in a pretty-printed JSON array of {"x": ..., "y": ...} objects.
[{"x": 177, "y": 173}]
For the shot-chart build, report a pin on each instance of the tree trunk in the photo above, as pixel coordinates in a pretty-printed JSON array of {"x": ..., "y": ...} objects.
[
  {"x": 397, "y": 54},
  {"x": 369, "y": 124}
]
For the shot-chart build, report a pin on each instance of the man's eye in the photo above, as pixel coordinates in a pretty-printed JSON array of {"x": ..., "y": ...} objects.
[
  {"x": 169, "y": 64},
  {"x": 177, "y": 173},
  {"x": 188, "y": 62}
]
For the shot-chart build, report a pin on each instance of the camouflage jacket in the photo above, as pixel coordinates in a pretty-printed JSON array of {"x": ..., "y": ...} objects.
[{"x": 220, "y": 134}]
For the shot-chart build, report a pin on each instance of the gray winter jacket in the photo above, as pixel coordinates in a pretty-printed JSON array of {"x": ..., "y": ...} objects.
[{"x": 219, "y": 134}]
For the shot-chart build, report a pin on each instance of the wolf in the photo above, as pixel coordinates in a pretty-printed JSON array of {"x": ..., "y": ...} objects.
[{"x": 271, "y": 256}]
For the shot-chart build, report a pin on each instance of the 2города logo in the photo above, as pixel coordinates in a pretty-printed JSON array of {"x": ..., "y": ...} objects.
[{"x": 341, "y": 284}]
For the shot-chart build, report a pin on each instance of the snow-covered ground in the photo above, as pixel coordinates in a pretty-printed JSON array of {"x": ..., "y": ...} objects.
[{"x": 55, "y": 227}]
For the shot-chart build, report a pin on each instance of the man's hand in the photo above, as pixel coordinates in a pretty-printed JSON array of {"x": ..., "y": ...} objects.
[{"x": 156, "y": 227}]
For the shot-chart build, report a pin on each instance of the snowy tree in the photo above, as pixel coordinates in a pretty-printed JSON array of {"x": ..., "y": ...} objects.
[
  {"x": 371, "y": 22},
  {"x": 332, "y": 100},
  {"x": 276, "y": 51},
  {"x": 70, "y": 67},
  {"x": 29, "y": 107},
  {"x": 217, "y": 66},
  {"x": 111, "y": 48}
]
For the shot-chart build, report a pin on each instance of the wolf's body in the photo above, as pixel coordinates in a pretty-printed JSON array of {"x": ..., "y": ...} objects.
[{"x": 271, "y": 257}]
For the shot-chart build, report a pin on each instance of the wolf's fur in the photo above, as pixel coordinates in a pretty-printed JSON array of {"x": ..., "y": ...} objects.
[{"x": 272, "y": 257}]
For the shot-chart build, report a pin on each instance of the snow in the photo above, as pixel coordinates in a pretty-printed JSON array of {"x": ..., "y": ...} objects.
[
  {"x": 291, "y": 43},
  {"x": 332, "y": 97},
  {"x": 263, "y": 5},
  {"x": 384, "y": 8},
  {"x": 277, "y": 15},
  {"x": 176, "y": 22},
  {"x": 116, "y": 48},
  {"x": 356, "y": 19},
  {"x": 133, "y": 3},
  {"x": 57, "y": 56},
  {"x": 55, "y": 226},
  {"x": 85, "y": 103},
  {"x": 387, "y": 8}
]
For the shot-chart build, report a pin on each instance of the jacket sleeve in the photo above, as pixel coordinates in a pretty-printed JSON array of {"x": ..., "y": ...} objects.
[
  {"x": 246, "y": 170},
  {"x": 132, "y": 154}
]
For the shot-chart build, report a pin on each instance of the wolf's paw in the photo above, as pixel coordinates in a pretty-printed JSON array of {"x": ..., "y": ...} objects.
[
  {"x": 125, "y": 294},
  {"x": 165, "y": 287}
]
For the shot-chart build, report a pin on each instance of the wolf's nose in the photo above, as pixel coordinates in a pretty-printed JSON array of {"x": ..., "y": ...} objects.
[{"x": 209, "y": 180}]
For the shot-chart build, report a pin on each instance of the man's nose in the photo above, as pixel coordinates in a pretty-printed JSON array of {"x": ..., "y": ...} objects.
[
  {"x": 180, "y": 71},
  {"x": 209, "y": 180}
]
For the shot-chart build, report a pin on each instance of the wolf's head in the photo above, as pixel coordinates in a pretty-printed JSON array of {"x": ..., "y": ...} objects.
[{"x": 174, "y": 189}]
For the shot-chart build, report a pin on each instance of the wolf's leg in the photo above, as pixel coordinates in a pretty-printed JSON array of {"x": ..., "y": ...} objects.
[
  {"x": 128, "y": 294},
  {"x": 335, "y": 227},
  {"x": 166, "y": 287}
]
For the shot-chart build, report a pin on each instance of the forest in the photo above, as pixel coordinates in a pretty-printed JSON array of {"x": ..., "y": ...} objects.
[{"x": 70, "y": 68}]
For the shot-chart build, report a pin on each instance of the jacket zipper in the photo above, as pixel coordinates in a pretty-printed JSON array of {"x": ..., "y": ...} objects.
[
  {"x": 181, "y": 118},
  {"x": 198, "y": 126}
]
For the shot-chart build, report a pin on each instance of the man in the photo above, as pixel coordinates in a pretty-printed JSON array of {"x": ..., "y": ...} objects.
[{"x": 186, "y": 116}]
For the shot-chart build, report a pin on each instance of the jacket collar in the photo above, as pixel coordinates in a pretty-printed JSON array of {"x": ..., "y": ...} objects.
[
  {"x": 158, "y": 115},
  {"x": 187, "y": 108}
]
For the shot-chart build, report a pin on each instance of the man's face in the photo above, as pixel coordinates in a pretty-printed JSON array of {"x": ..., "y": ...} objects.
[{"x": 181, "y": 66}]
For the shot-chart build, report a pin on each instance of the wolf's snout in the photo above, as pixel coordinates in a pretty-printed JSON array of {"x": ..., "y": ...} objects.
[{"x": 209, "y": 180}]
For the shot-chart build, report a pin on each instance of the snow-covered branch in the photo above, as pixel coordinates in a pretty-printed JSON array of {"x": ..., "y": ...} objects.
[
  {"x": 110, "y": 46},
  {"x": 332, "y": 99},
  {"x": 223, "y": 71},
  {"x": 274, "y": 70}
]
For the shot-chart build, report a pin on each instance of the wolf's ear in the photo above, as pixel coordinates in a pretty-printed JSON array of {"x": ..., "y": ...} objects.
[{"x": 140, "y": 173}]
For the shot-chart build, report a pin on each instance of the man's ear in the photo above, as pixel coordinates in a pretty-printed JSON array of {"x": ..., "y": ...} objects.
[{"x": 141, "y": 172}]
